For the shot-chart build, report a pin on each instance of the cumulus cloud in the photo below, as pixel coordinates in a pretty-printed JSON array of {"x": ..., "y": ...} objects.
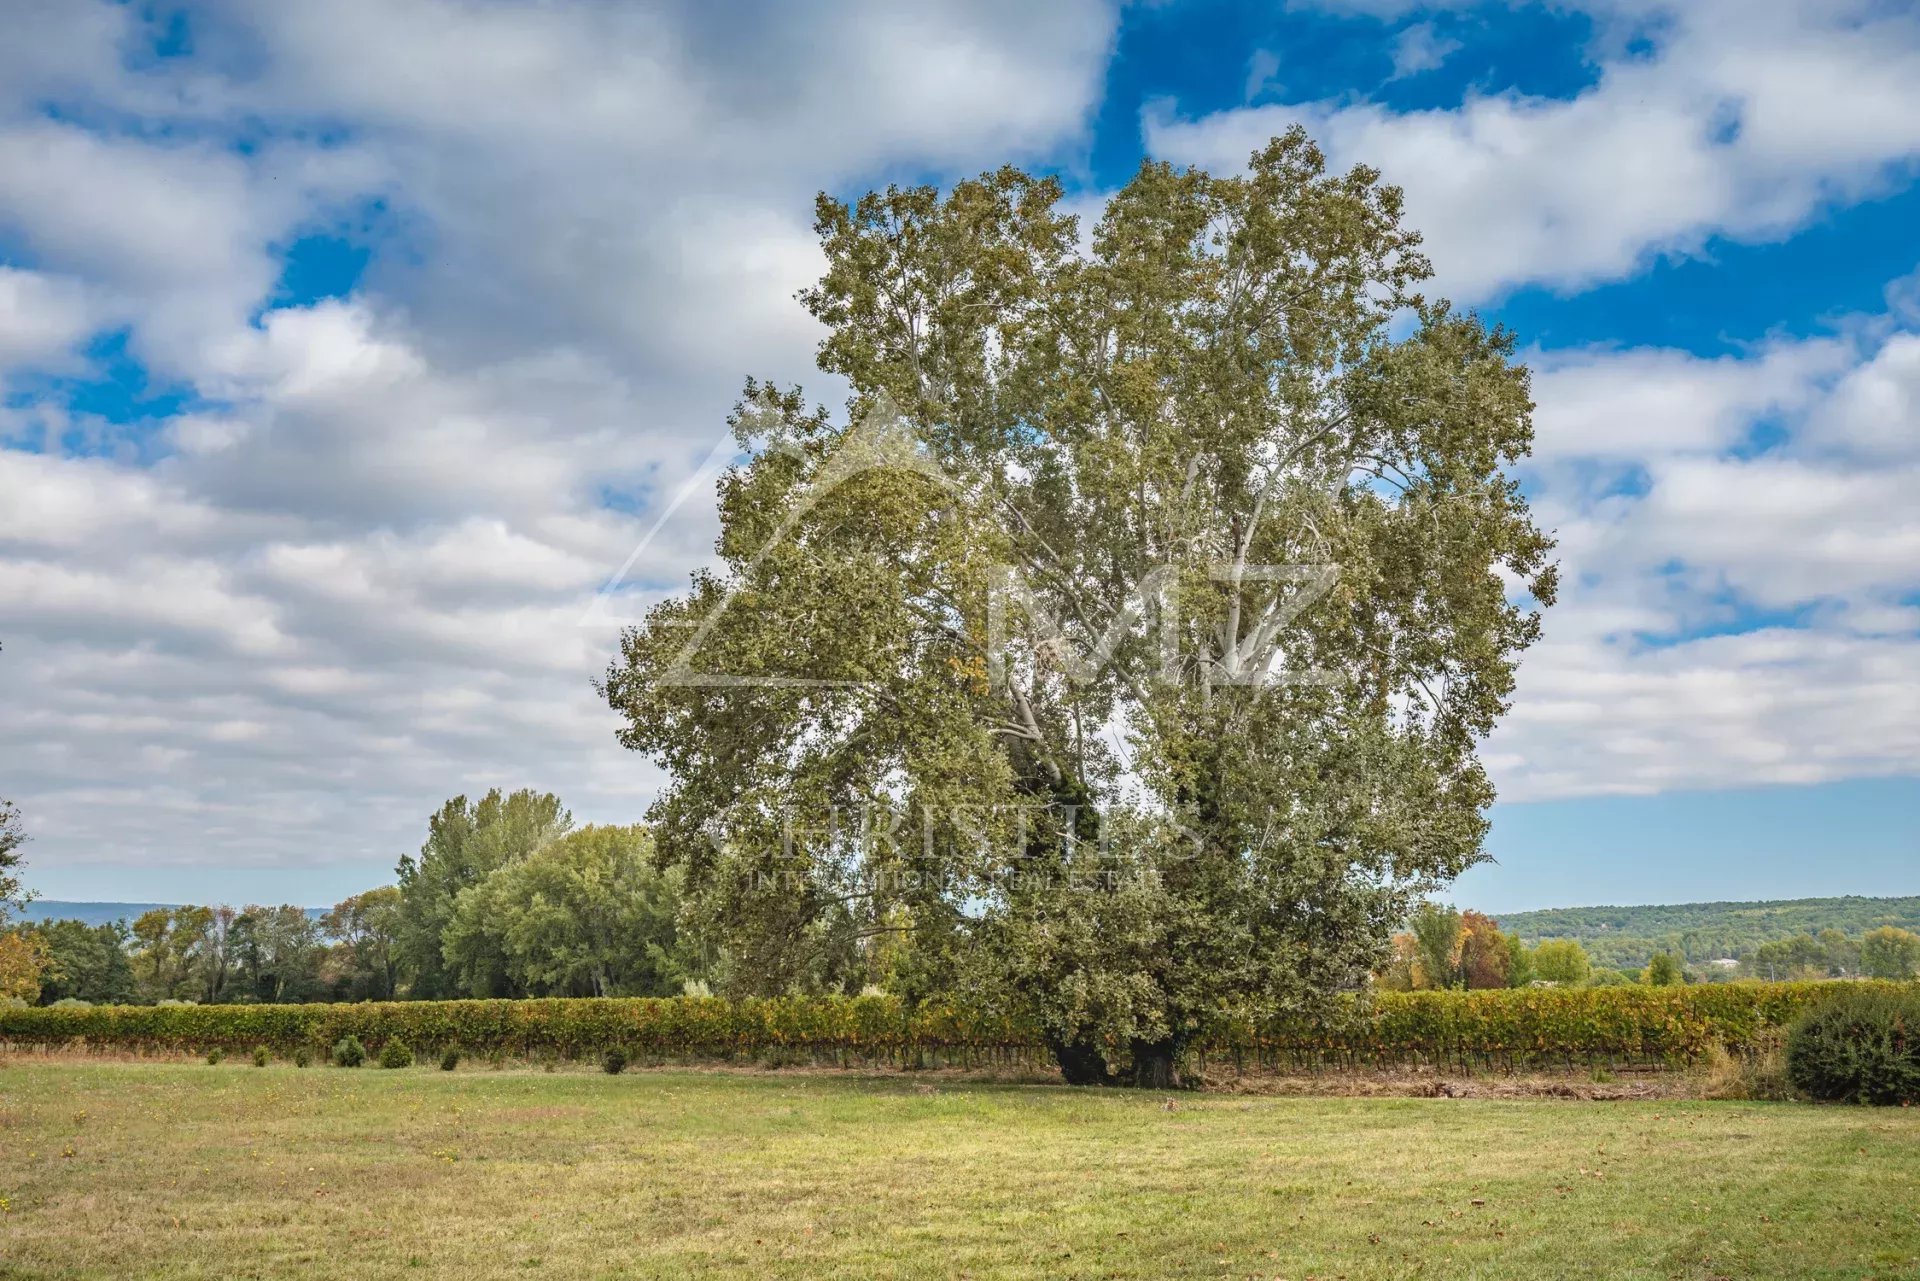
[
  {"x": 350, "y": 566},
  {"x": 1745, "y": 121},
  {"x": 1419, "y": 48},
  {"x": 1736, "y": 612},
  {"x": 352, "y": 572}
]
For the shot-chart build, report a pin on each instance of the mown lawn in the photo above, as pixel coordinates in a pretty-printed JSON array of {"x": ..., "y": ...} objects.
[{"x": 187, "y": 1170}]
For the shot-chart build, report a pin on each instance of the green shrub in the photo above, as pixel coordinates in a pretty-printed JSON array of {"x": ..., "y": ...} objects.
[
  {"x": 215, "y": 1055},
  {"x": 614, "y": 1062},
  {"x": 449, "y": 1059},
  {"x": 1861, "y": 1045},
  {"x": 396, "y": 1054},
  {"x": 302, "y": 1056},
  {"x": 1495, "y": 1029},
  {"x": 348, "y": 1052},
  {"x": 261, "y": 1056}
]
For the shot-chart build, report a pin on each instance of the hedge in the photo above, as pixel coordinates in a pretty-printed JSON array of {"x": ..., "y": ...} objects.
[{"x": 1529, "y": 1027}]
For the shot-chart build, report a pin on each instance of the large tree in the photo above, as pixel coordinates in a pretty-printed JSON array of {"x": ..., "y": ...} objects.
[
  {"x": 1120, "y": 656},
  {"x": 276, "y": 952},
  {"x": 587, "y": 915},
  {"x": 466, "y": 841},
  {"x": 87, "y": 963},
  {"x": 12, "y": 836},
  {"x": 366, "y": 928}
]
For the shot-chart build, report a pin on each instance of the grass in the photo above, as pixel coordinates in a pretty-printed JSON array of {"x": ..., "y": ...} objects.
[{"x": 188, "y": 1170}]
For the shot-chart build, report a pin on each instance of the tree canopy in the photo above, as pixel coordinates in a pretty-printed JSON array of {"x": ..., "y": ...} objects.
[
  {"x": 585, "y": 915},
  {"x": 466, "y": 841},
  {"x": 1122, "y": 652}
]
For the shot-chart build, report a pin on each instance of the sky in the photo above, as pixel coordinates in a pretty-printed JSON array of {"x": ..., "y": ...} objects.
[{"x": 348, "y": 351}]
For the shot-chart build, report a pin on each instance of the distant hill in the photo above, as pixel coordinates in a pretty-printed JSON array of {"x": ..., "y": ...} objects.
[
  {"x": 1617, "y": 937},
  {"x": 1625, "y": 937},
  {"x": 54, "y": 909}
]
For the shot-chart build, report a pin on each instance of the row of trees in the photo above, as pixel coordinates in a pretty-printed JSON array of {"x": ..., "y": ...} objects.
[
  {"x": 1445, "y": 948},
  {"x": 508, "y": 898},
  {"x": 505, "y": 898},
  {"x": 1626, "y": 937},
  {"x": 1887, "y": 952}
]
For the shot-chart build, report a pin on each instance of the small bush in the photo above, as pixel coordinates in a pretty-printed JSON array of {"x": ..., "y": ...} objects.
[
  {"x": 348, "y": 1052},
  {"x": 1858, "y": 1046},
  {"x": 261, "y": 1056},
  {"x": 396, "y": 1054},
  {"x": 614, "y": 1062},
  {"x": 449, "y": 1059},
  {"x": 215, "y": 1055},
  {"x": 302, "y": 1056}
]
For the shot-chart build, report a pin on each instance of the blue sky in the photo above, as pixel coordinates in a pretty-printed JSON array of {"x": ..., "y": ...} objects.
[{"x": 345, "y": 353}]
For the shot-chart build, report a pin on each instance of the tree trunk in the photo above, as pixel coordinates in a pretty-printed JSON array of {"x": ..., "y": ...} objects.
[
  {"x": 1153, "y": 1065},
  {"x": 1081, "y": 1062}
]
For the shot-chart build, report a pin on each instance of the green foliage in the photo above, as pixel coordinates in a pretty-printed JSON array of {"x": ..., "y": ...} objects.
[
  {"x": 1436, "y": 942},
  {"x": 213, "y": 954},
  {"x": 1663, "y": 970},
  {"x": 1520, "y": 971},
  {"x": 585, "y": 915},
  {"x": 262, "y": 1056},
  {"x": 1236, "y": 376},
  {"x": 1561, "y": 961},
  {"x": 1890, "y": 953},
  {"x": 449, "y": 1059},
  {"x": 466, "y": 841},
  {"x": 613, "y": 1062},
  {"x": 87, "y": 963},
  {"x": 274, "y": 952},
  {"x": 348, "y": 1052},
  {"x": 396, "y": 1054},
  {"x": 1860, "y": 1044},
  {"x": 215, "y": 1055},
  {"x": 1504, "y": 1027},
  {"x": 368, "y": 928},
  {"x": 12, "y": 836},
  {"x": 1802, "y": 956},
  {"x": 1627, "y": 937},
  {"x": 302, "y": 1056}
]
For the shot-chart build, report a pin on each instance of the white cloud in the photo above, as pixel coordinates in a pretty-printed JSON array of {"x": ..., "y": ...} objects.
[
  {"x": 43, "y": 317},
  {"x": 1732, "y": 615},
  {"x": 349, "y": 580},
  {"x": 1419, "y": 48},
  {"x": 1746, "y": 121},
  {"x": 278, "y": 627}
]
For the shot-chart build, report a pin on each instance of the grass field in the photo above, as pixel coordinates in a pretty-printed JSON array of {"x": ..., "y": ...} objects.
[{"x": 188, "y": 1170}]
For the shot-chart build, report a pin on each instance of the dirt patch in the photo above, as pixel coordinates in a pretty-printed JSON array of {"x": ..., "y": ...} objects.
[{"x": 1426, "y": 1084}]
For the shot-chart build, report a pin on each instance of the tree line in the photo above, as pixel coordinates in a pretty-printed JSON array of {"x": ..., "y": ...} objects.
[
  {"x": 1446, "y": 948},
  {"x": 506, "y": 898},
  {"x": 1627, "y": 937}
]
